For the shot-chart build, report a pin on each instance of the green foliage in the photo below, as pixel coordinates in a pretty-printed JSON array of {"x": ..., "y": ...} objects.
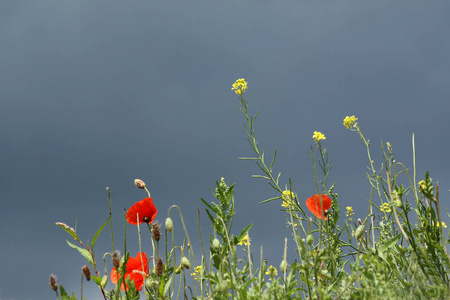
[{"x": 398, "y": 251}]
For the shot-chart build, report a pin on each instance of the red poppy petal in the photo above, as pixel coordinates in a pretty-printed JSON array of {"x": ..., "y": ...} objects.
[
  {"x": 314, "y": 205},
  {"x": 114, "y": 277},
  {"x": 145, "y": 208}
]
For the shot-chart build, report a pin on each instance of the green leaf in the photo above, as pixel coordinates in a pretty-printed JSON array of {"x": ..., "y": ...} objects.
[
  {"x": 390, "y": 243},
  {"x": 97, "y": 233},
  {"x": 207, "y": 204},
  {"x": 64, "y": 295},
  {"x": 244, "y": 232},
  {"x": 167, "y": 286},
  {"x": 97, "y": 279},
  {"x": 83, "y": 252}
]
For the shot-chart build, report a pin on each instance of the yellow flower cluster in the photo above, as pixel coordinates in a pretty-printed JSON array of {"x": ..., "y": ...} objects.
[
  {"x": 272, "y": 270},
  {"x": 422, "y": 184},
  {"x": 239, "y": 86},
  {"x": 245, "y": 240},
  {"x": 350, "y": 121},
  {"x": 443, "y": 225},
  {"x": 385, "y": 207},
  {"x": 287, "y": 197},
  {"x": 197, "y": 273},
  {"x": 318, "y": 136},
  {"x": 350, "y": 212}
]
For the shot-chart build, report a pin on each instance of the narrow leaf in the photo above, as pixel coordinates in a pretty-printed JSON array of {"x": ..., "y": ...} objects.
[
  {"x": 97, "y": 233},
  {"x": 244, "y": 232},
  {"x": 82, "y": 251}
]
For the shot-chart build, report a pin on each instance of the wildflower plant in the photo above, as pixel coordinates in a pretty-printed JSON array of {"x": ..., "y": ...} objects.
[{"x": 396, "y": 250}]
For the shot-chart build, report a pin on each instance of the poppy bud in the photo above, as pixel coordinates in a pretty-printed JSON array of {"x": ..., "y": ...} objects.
[
  {"x": 150, "y": 283},
  {"x": 396, "y": 199},
  {"x": 169, "y": 224},
  {"x": 185, "y": 263},
  {"x": 216, "y": 244},
  {"x": 155, "y": 231},
  {"x": 178, "y": 270},
  {"x": 139, "y": 183},
  {"x": 224, "y": 287},
  {"x": 104, "y": 281},
  {"x": 309, "y": 239},
  {"x": 359, "y": 232},
  {"x": 86, "y": 272},
  {"x": 53, "y": 282},
  {"x": 283, "y": 266}
]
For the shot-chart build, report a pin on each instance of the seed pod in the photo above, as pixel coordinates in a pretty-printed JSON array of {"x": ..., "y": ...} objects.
[
  {"x": 159, "y": 266},
  {"x": 155, "y": 231},
  {"x": 116, "y": 258},
  {"x": 53, "y": 282},
  {"x": 86, "y": 272}
]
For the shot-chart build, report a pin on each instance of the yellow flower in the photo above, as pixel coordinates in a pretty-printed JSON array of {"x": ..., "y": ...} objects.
[
  {"x": 443, "y": 225},
  {"x": 272, "y": 270},
  {"x": 422, "y": 184},
  {"x": 245, "y": 240},
  {"x": 350, "y": 121},
  {"x": 385, "y": 207},
  {"x": 350, "y": 211},
  {"x": 287, "y": 197},
  {"x": 197, "y": 273},
  {"x": 318, "y": 136},
  {"x": 239, "y": 86}
]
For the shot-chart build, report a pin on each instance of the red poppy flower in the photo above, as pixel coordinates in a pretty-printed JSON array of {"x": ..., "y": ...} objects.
[
  {"x": 314, "y": 205},
  {"x": 133, "y": 271},
  {"x": 146, "y": 210}
]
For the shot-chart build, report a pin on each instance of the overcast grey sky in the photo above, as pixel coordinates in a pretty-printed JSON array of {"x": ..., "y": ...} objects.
[{"x": 98, "y": 93}]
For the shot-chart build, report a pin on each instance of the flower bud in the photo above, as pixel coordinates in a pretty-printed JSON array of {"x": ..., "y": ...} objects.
[
  {"x": 359, "y": 232},
  {"x": 283, "y": 266},
  {"x": 139, "y": 183},
  {"x": 396, "y": 199},
  {"x": 224, "y": 287},
  {"x": 86, "y": 272},
  {"x": 309, "y": 239},
  {"x": 169, "y": 224},
  {"x": 53, "y": 282},
  {"x": 178, "y": 269},
  {"x": 104, "y": 281},
  {"x": 185, "y": 263},
  {"x": 216, "y": 244},
  {"x": 150, "y": 283}
]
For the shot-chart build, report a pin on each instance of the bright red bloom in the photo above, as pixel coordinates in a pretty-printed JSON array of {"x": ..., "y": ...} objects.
[
  {"x": 313, "y": 204},
  {"x": 134, "y": 271},
  {"x": 146, "y": 210}
]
